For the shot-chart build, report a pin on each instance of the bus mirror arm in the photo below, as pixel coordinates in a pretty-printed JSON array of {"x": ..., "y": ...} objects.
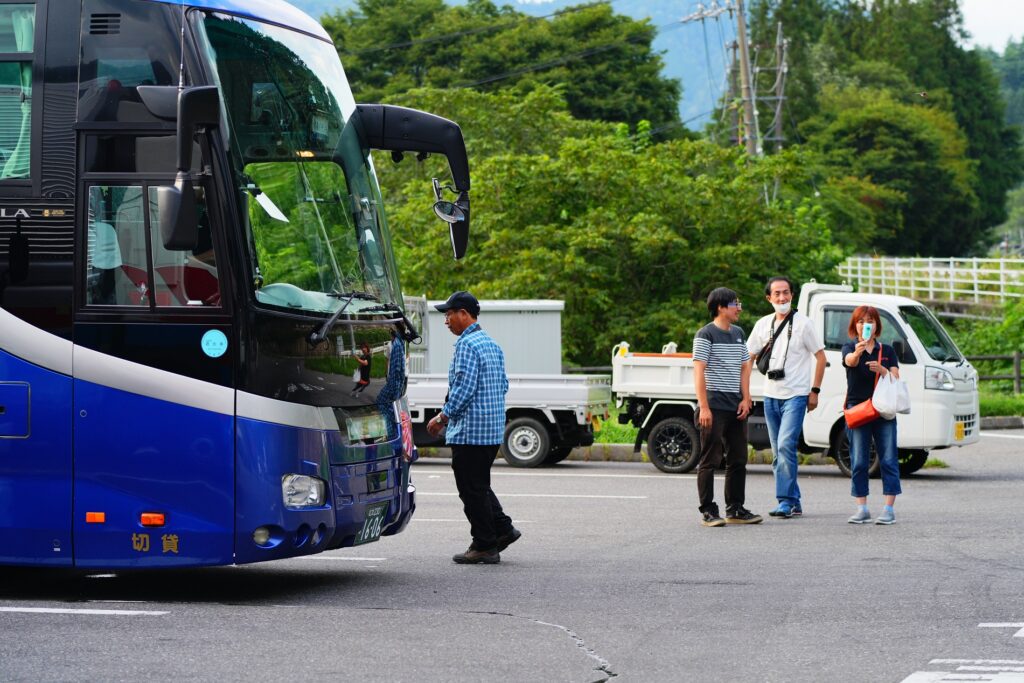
[
  {"x": 399, "y": 129},
  {"x": 179, "y": 228}
]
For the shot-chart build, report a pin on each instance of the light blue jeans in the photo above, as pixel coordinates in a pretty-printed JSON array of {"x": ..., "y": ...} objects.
[
  {"x": 883, "y": 432},
  {"x": 785, "y": 418}
]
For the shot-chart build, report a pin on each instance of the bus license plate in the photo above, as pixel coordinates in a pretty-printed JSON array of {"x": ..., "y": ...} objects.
[
  {"x": 958, "y": 431},
  {"x": 375, "y": 516}
]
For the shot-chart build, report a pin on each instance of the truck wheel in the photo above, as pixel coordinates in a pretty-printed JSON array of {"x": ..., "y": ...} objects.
[
  {"x": 526, "y": 443},
  {"x": 674, "y": 445},
  {"x": 911, "y": 461},
  {"x": 841, "y": 453},
  {"x": 557, "y": 455}
]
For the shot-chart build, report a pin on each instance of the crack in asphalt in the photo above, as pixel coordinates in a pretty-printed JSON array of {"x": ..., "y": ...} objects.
[{"x": 602, "y": 664}]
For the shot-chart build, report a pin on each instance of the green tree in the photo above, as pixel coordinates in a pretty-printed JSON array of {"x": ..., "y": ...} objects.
[{"x": 603, "y": 61}]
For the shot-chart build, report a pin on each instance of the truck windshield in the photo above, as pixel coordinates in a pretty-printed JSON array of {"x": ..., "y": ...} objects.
[
  {"x": 306, "y": 184},
  {"x": 931, "y": 333}
]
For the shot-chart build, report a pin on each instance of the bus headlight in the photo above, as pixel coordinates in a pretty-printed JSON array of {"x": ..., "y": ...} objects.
[
  {"x": 937, "y": 378},
  {"x": 302, "y": 491}
]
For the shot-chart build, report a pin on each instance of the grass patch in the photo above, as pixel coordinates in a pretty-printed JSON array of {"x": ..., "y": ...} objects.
[
  {"x": 936, "y": 464},
  {"x": 1000, "y": 405},
  {"x": 612, "y": 432}
]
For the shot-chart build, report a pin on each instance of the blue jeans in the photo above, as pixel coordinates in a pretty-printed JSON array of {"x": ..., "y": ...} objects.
[
  {"x": 785, "y": 418},
  {"x": 883, "y": 432}
]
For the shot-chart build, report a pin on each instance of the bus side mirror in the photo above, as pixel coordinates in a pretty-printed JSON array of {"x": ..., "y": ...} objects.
[
  {"x": 179, "y": 229},
  {"x": 398, "y": 129}
]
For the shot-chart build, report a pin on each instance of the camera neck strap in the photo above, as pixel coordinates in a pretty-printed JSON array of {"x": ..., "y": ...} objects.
[{"x": 789, "y": 335}]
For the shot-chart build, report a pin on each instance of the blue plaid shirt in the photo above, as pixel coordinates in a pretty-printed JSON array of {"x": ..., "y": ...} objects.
[{"x": 476, "y": 390}]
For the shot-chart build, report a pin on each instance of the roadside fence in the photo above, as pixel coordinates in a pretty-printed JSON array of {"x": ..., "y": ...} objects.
[
  {"x": 963, "y": 281},
  {"x": 1015, "y": 375}
]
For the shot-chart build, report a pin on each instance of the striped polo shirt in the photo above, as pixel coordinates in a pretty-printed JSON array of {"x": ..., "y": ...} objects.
[{"x": 725, "y": 352}]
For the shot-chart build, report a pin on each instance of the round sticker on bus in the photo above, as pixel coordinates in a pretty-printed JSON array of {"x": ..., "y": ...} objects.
[{"x": 215, "y": 343}]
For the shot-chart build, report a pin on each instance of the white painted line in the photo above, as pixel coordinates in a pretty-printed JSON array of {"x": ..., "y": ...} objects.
[
  {"x": 545, "y": 495},
  {"x": 1003, "y": 436},
  {"x": 1019, "y": 669},
  {"x": 1010, "y": 662},
  {"x": 1018, "y": 634},
  {"x": 342, "y": 559},
  {"x": 663, "y": 477},
  {"x": 459, "y": 520},
  {"x": 102, "y": 612}
]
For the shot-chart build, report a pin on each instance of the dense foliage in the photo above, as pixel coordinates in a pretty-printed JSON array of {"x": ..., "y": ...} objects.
[{"x": 601, "y": 59}]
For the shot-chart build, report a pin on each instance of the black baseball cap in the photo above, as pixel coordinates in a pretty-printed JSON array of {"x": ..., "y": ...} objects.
[{"x": 461, "y": 300}]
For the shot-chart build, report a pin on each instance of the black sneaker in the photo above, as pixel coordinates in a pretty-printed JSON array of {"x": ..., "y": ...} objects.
[
  {"x": 505, "y": 540},
  {"x": 711, "y": 518},
  {"x": 474, "y": 556},
  {"x": 742, "y": 516}
]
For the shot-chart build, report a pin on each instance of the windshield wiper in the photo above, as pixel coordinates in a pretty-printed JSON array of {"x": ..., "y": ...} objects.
[{"x": 318, "y": 335}]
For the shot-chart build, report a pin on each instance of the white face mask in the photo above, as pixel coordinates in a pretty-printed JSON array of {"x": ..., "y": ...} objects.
[{"x": 783, "y": 309}]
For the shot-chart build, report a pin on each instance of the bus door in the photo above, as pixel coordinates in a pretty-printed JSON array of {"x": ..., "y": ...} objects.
[{"x": 153, "y": 378}]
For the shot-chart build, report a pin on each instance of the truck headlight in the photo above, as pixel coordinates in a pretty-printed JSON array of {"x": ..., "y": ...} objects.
[
  {"x": 302, "y": 491},
  {"x": 937, "y": 378}
]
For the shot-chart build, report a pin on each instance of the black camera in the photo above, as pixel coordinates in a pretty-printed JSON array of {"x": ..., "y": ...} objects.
[{"x": 777, "y": 374}]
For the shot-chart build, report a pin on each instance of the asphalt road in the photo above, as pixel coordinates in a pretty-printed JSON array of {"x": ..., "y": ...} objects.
[{"x": 614, "y": 578}]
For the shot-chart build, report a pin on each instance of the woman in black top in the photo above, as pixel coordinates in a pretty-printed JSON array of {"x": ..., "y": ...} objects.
[
  {"x": 365, "y": 358},
  {"x": 866, "y": 359}
]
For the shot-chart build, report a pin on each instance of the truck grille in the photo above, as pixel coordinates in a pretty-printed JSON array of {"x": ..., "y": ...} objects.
[{"x": 970, "y": 423}]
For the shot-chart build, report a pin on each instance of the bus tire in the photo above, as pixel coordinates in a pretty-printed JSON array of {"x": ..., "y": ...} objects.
[
  {"x": 840, "y": 451},
  {"x": 674, "y": 445},
  {"x": 526, "y": 443},
  {"x": 911, "y": 460}
]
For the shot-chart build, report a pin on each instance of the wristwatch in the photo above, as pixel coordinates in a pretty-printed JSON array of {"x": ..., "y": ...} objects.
[
  {"x": 815, "y": 390},
  {"x": 442, "y": 418}
]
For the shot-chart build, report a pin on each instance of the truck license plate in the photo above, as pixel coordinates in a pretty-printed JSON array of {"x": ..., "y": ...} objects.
[
  {"x": 958, "y": 431},
  {"x": 375, "y": 516}
]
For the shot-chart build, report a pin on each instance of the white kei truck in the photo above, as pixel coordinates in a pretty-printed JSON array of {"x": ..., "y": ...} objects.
[
  {"x": 548, "y": 414},
  {"x": 655, "y": 391}
]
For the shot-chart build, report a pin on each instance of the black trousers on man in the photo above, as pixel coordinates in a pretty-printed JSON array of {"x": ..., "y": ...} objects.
[
  {"x": 724, "y": 424},
  {"x": 472, "y": 467}
]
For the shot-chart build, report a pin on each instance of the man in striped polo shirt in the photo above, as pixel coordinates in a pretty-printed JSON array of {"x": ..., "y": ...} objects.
[{"x": 721, "y": 376}]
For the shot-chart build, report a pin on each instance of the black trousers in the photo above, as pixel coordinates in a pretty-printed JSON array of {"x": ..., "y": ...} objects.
[
  {"x": 472, "y": 468},
  {"x": 724, "y": 424}
]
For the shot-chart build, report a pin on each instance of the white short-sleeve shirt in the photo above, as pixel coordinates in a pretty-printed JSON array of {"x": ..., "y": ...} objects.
[{"x": 799, "y": 363}]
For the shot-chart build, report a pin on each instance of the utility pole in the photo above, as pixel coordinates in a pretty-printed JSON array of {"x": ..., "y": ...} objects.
[
  {"x": 780, "y": 85},
  {"x": 746, "y": 82}
]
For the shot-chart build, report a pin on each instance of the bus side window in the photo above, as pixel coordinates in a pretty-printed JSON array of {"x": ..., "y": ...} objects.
[
  {"x": 116, "y": 264},
  {"x": 185, "y": 278},
  {"x": 17, "y": 42}
]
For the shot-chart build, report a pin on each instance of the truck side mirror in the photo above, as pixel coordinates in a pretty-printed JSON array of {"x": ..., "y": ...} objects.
[
  {"x": 398, "y": 129},
  {"x": 197, "y": 106}
]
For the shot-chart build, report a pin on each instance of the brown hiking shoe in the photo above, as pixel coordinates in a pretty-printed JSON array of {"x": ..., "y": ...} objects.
[
  {"x": 474, "y": 556},
  {"x": 505, "y": 540}
]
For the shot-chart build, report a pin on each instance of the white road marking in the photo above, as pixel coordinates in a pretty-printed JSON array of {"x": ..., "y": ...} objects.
[
  {"x": 993, "y": 670},
  {"x": 1003, "y": 436},
  {"x": 544, "y": 495},
  {"x": 663, "y": 477},
  {"x": 978, "y": 661},
  {"x": 1018, "y": 634},
  {"x": 459, "y": 520},
  {"x": 101, "y": 612},
  {"x": 342, "y": 559}
]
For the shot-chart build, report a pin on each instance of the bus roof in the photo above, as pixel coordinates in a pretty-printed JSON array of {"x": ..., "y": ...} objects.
[{"x": 275, "y": 11}]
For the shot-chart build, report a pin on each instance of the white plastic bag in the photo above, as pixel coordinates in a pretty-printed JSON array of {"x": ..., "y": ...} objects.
[{"x": 891, "y": 397}]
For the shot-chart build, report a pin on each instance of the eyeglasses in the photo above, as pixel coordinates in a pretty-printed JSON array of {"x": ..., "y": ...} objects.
[
  {"x": 450, "y": 312},
  {"x": 735, "y": 304}
]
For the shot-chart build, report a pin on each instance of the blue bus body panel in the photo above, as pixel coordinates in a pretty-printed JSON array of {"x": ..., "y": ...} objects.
[
  {"x": 135, "y": 454},
  {"x": 35, "y": 464},
  {"x": 275, "y": 11},
  {"x": 267, "y": 452}
]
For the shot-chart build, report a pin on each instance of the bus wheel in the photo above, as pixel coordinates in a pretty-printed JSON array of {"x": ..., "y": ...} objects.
[
  {"x": 911, "y": 461},
  {"x": 557, "y": 455},
  {"x": 841, "y": 453},
  {"x": 674, "y": 445},
  {"x": 526, "y": 443}
]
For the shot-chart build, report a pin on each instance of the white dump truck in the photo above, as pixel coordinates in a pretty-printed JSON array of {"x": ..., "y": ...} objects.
[
  {"x": 548, "y": 413},
  {"x": 655, "y": 391}
]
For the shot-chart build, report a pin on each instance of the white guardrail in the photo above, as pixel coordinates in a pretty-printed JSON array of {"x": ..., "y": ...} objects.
[{"x": 969, "y": 281}]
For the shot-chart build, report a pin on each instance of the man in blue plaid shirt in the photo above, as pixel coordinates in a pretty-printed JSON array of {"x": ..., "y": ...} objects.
[{"x": 474, "y": 415}]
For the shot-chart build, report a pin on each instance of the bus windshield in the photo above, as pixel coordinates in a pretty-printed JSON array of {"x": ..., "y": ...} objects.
[
  {"x": 308, "y": 191},
  {"x": 931, "y": 333}
]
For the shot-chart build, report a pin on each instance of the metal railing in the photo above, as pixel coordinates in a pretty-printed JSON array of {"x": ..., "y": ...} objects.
[
  {"x": 973, "y": 281},
  {"x": 1015, "y": 376}
]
